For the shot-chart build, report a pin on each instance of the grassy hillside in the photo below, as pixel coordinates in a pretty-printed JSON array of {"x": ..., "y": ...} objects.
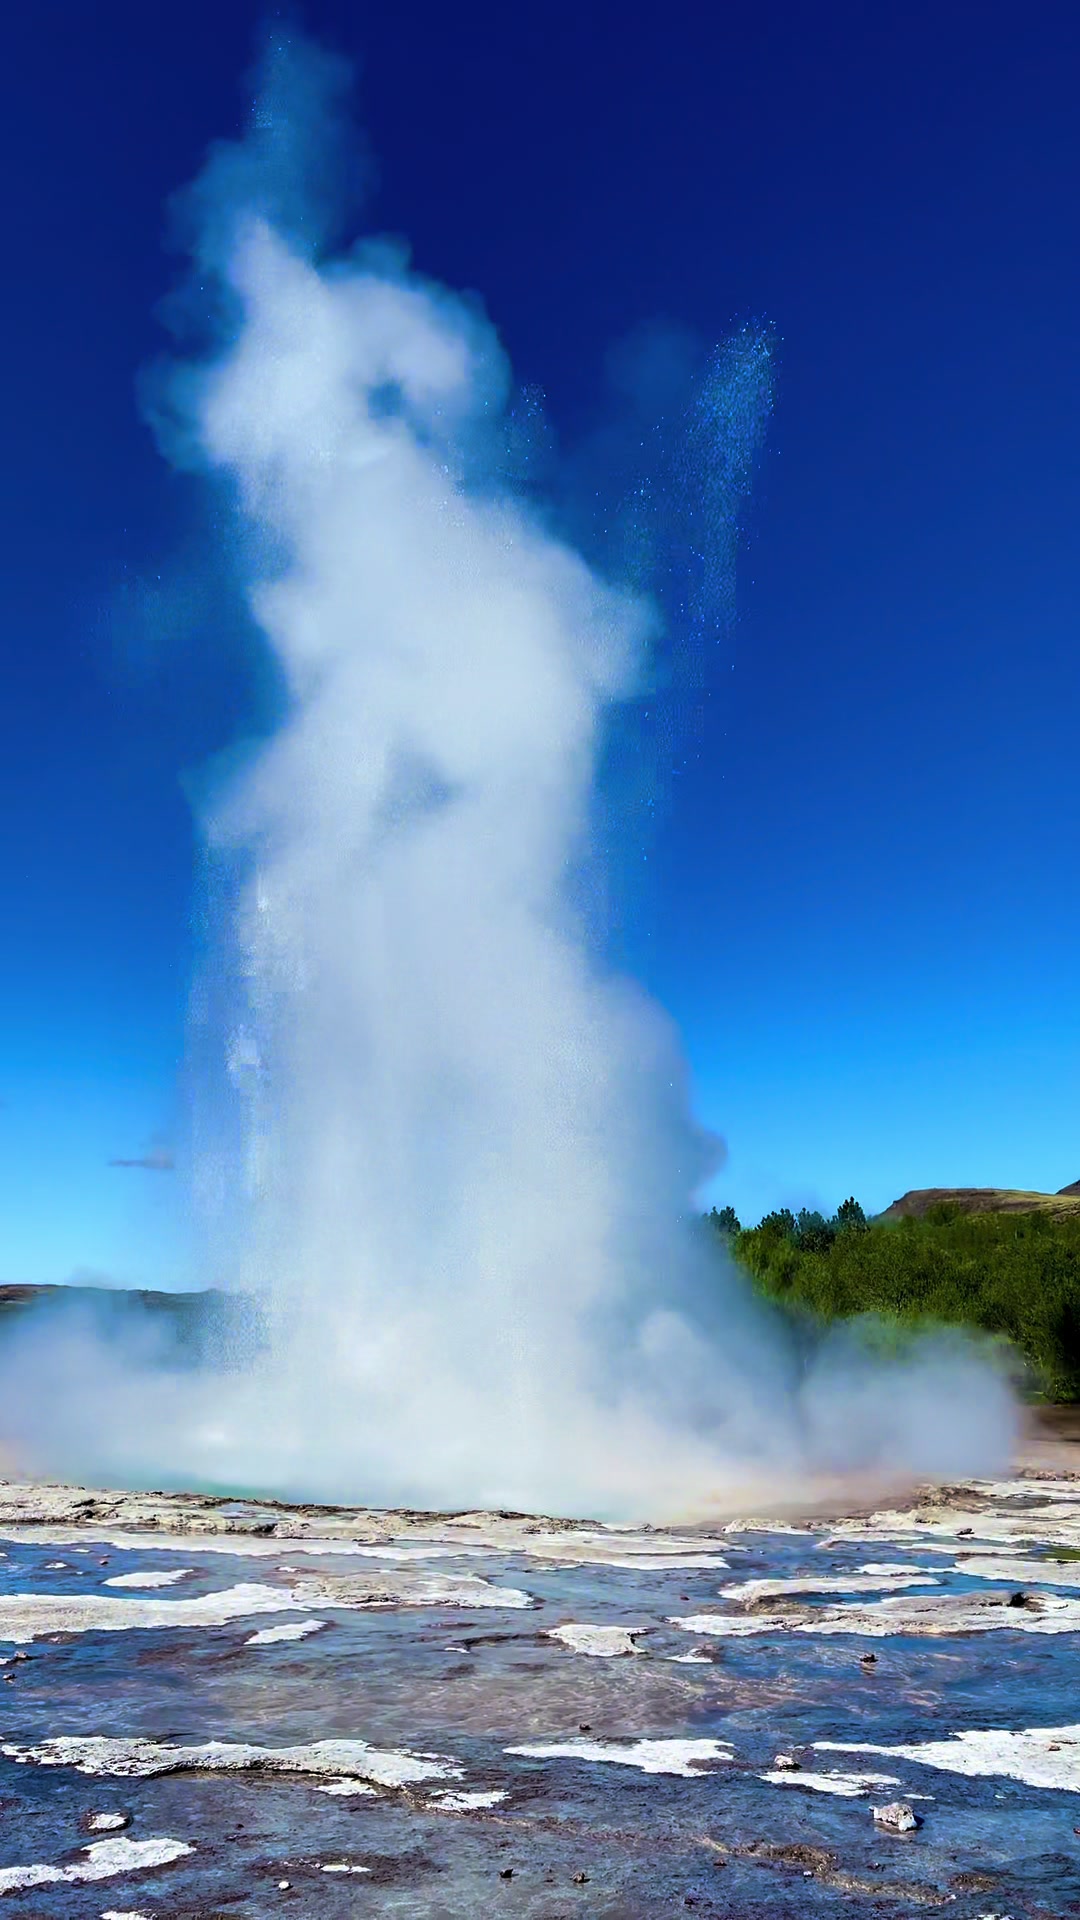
[
  {"x": 923, "y": 1200},
  {"x": 1014, "y": 1274}
]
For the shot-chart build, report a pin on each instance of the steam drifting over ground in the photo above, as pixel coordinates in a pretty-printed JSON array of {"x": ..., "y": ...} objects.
[{"x": 469, "y": 1162}]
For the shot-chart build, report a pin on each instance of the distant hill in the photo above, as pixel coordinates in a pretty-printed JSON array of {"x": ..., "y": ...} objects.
[
  {"x": 917, "y": 1203},
  {"x": 165, "y": 1329}
]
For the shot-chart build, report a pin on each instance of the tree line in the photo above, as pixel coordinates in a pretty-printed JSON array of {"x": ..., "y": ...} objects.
[
  {"x": 1012, "y": 1276},
  {"x": 807, "y": 1228}
]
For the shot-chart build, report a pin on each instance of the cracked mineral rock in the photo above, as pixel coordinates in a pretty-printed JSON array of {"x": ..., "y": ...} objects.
[{"x": 896, "y": 1817}]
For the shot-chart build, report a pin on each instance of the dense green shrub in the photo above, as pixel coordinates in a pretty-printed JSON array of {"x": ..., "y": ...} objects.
[{"x": 1014, "y": 1275}]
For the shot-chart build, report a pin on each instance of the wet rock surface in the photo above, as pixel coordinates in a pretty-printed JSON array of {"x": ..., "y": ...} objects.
[{"x": 503, "y": 1714}]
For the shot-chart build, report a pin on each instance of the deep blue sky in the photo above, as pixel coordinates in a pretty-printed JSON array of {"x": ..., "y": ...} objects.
[{"x": 865, "y": 904}]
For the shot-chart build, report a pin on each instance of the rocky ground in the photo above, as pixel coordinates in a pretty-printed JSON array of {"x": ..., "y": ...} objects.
[{"x": 213, "y": 1707}]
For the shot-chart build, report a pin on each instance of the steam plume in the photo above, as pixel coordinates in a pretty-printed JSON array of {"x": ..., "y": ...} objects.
[{"x": 469, "y": 1157}]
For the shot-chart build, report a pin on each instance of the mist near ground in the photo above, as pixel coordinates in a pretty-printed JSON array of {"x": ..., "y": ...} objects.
[{"x": 456, "y": 1163}]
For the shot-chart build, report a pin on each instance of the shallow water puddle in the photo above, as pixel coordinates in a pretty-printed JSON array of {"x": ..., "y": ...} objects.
[{"x": 415, "y": 1715}]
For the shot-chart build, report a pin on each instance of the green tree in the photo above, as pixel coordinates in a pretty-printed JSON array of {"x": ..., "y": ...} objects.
[
  {"x": 850, "y": 1217},
  {"x": 813, "y": 1233},
  {"x": 777, "y": 1226}
]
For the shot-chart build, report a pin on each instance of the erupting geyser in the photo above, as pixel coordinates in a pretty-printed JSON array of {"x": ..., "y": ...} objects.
[{"x": 469, "y": 1163}]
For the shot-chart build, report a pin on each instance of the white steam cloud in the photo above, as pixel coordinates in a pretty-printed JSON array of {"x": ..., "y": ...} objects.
[{"x": 470, "y": 1164}]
